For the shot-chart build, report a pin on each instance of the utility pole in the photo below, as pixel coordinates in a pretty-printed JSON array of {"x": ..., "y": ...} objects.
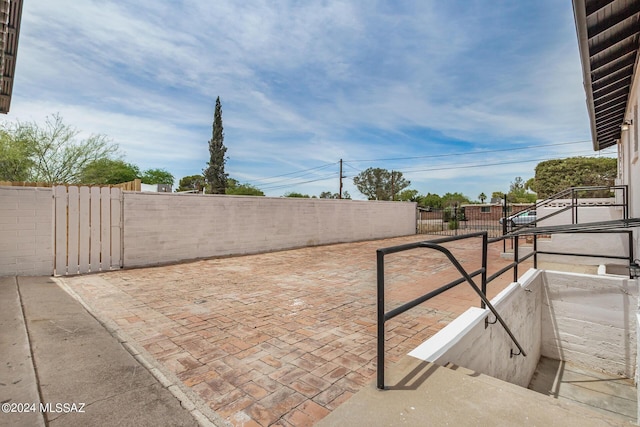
[
  {"x": 340, "y": 192},
  {"x": 393, "y": 193}
]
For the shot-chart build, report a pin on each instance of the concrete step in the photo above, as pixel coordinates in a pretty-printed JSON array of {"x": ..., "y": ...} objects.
[
  {"x": 423, "y": 393},
  {"x": 608, "y": 394}
]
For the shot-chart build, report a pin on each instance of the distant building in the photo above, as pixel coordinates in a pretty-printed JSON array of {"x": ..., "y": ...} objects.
[{"x": 156, "y": 188}]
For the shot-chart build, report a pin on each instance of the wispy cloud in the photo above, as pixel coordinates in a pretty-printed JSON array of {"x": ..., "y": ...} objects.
[{"x": 304, "y": 84}]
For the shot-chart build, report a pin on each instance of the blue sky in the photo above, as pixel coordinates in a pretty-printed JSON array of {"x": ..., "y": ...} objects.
[{"x": 461, "y": 96}]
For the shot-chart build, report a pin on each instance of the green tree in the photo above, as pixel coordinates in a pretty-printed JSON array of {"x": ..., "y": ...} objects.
[
  {"x": 191, "y": 183},
  {"x": 408, "y": 196},
  {"x": 380, "y": 184},
  {"x": 454, "y": 199},
  {"x": 298, "y": 195},
  {"x": 108, "y": 171},
  {"x": 236, "y": 188},
  {"x": 518, "y": 192},
  {"x": 157, "y": 176},
  {"x": 214, "y": 174},
  {"x": 15, "y": 157},
  {"x": 553, "y": 176},
  {"x": 330, "y": 195},
  {"x": 431, "y": 200},
  {"x": 482, "y": 197},
  {"x": 497, "y": 195},
  {"x": 56, "y": 155}
]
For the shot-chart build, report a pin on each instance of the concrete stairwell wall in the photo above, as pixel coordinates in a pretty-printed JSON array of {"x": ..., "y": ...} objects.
[
  {"x": 583, "y": 319},
  {"x": 590, "y": 321},
  {"x": 468, "y": 343}
]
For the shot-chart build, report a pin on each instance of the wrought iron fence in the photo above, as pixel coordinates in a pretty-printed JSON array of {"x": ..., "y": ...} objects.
[{"x": 455, "y": 221}]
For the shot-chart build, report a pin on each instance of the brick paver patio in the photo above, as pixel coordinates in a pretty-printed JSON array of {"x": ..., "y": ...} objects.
[{"x": 282, "y": 338}]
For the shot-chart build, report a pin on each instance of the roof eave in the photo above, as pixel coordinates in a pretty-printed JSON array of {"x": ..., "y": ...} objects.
[{"x": 580, "y": 16}]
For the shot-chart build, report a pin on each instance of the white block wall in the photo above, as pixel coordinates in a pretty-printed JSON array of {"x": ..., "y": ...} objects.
[
  {"x": 164, "y": 228},
  {"x": 582, "y": 243},
  {"x": 590, "y": 321},
  {"x": 26, "y": 231},
  {"x": 591, "y": 210}
]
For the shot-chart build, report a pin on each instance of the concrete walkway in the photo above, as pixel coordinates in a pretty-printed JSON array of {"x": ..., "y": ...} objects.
[{"x": 69, "y": 370}]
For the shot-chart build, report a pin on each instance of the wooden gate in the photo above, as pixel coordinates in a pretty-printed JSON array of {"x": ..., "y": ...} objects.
[{"x": 88, "y": 229}]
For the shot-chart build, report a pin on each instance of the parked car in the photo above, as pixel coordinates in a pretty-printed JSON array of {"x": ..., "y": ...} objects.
[{"x": 521, "y": 218}]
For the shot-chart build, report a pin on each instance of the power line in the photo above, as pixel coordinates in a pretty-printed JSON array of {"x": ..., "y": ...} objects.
[
  {"x": 355, "y": 169},
  {"x": 296, "y": 172},
  {"x": 292, "y": 179},
  {"x": 468, "y": 152},
  {"x": 471, "y": 166},
  {"x": 293, "y": 184},
  {"x": 448, "y": 167}
]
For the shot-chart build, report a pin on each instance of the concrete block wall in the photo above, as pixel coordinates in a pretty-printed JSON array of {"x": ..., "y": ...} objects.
[
  {"x": 164, "y": 228},
  {"x": 26, "y": 231},
  {"x": 616, "y": 244},
  {"x": 595, "y": 210},
  {"x": 589, "y": 210},
  {"x": 590, "y": 321}
]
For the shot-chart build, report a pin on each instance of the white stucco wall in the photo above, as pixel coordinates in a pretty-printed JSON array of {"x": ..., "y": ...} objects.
[
  {"x": 590, "y": 321},
  {"x": 162, "y": 228},
  {"x": 629, "y": 156},
  {"x": 465, "y": 342},
  {"x": 26, "y": 231},
  {"x": 583, "y": 319}
]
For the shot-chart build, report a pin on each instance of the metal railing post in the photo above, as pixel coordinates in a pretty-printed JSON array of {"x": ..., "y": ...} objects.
[
  {"x": 380, "y": 272},
  {"x": 625, "y": 195},
  {"x": 485, "y": 248},
  {"x": 574, "y": 207},
  {"x": 535, "y": 251},
  {"x": 504, "y": 222},
  {"x": 631, "y": 258},
  {"x": 516, "y": 258}
]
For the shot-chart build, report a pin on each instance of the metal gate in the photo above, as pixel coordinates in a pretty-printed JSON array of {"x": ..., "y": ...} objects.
[{"x": 88, "y": 229}]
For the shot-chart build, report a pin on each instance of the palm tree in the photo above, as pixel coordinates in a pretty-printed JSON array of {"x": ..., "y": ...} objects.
[{"x": 482, "y": 197}]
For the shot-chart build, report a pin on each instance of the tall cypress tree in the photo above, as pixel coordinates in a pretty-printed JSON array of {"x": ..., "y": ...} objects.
[{"x": 214, "y": 173}]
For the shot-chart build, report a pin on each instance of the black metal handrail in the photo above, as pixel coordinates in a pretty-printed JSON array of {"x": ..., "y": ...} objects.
[
  {"x": 572, "y": 193},
  {"x": 466, "y": 277}
]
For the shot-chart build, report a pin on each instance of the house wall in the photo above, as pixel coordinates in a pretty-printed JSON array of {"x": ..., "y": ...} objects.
[
  {"x": 26, "y": 231},
  {"x": 164, "y": 228},
  {"x": 628, "y": 155},
  {"x": 590, "y": 321},
  {"x": 475, "y": 212}
]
